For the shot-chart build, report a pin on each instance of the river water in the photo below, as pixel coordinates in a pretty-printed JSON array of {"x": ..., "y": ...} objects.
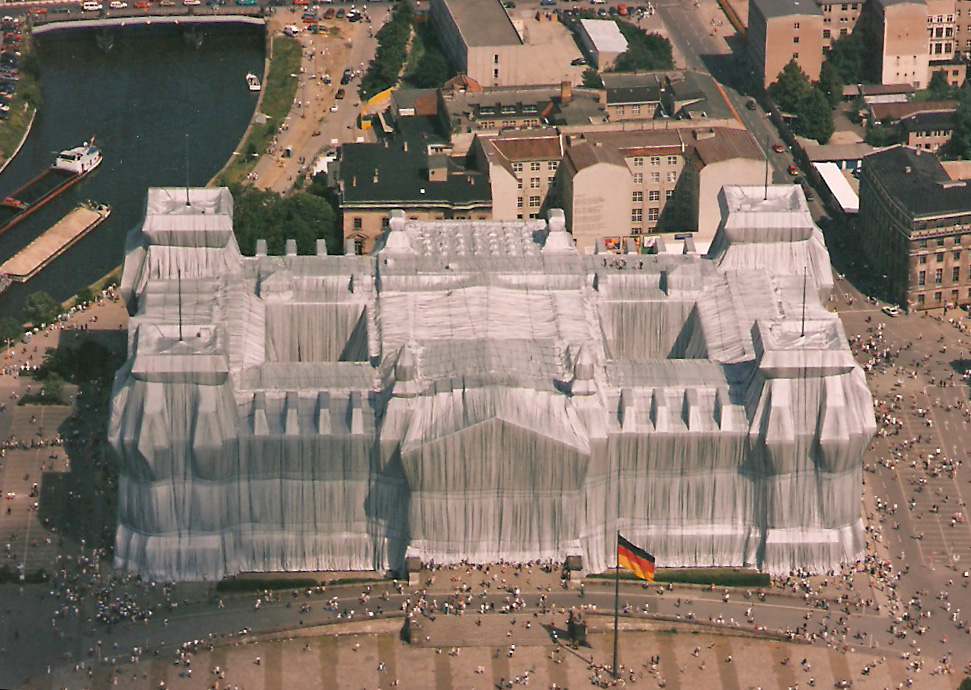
[{"x": 139, "y": 100}]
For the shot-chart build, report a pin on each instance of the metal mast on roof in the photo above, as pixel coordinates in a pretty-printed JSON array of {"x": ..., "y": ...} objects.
[
  {"x": 186, "y": 175},
  {"x": 179, "y": 273}
]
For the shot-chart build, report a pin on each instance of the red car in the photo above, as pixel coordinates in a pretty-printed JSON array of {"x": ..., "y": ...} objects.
[
  {"x": 142, "y": 4},
  {"x": 302, "y": 3},
  {"x": 37, "y": 10},
  {"x": 792, "y": 169},
  {"x": 339, "y": 95},
  {"x": 778, "y": 148}
]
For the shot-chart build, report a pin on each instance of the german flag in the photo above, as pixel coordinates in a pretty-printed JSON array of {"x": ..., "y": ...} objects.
[{"x": 635, "y": 559}]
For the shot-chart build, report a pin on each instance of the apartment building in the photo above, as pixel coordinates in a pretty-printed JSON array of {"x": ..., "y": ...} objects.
[
  {"x": 915, "y": 224},
  {"x": 521, "y": 167},
  {"x": 839, "y": 19},
  {"x": 619, "y": 186},
  {"x": 900, "y": 31},
  {"x": 784, "y": 30}
]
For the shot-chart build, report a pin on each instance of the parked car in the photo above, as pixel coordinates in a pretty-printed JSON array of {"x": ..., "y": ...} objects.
[
  {"x": 339, "y": 95},
  {"x": 92, "y": 6},
  {"x": 778, "y": 148},
  {"x": 792, "y": 169},
  {"x": 751, "y": 104},
  {"x": 578, "y": 61},
  {"x": 891, "y": 310},
  {"x": 329, "y": 14}
]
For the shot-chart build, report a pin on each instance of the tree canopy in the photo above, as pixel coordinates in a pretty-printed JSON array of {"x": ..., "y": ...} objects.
[
  {"x": 644, "y": 51},
  {"x": 391, "y": 53},
  {"x": 938, "y": 88},
  {"x": 301, "y": 216},
  {"x": 959, "y": 145},
  {"x": 847, "y": 57},
  {"x": 591, "y": 78},
  {"x": 10, "y": 329},
  {"x": 793, "y": 93},
  {"x": 40, "y": 308}
]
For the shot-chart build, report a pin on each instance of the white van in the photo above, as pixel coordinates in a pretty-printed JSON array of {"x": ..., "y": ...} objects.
[{"x": 91, "y": 6}]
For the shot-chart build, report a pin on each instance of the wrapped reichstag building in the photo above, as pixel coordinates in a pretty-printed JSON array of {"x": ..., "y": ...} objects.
[{"x": 477, "y": 391}]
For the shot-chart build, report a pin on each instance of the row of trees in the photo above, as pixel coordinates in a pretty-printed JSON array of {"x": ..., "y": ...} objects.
[
  {"x": 389, "y": 59},
  {"x": 645, "y": 52}
]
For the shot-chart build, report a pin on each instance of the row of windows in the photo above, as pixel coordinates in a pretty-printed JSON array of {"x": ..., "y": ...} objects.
[
  {"x": 939, "y": 257},
  {"x": 535, "y": 165},
  {"x": 843, "y": 7},
  {"x": 938, "y": 296},
  {"x": 670, "y": 176},
  {"x": 637, "y": 214},
  {"x": 533, "y": 202},
  {"x": 652, "y": 195},
  {"x": 939, "y": 276},
  {"x": 940, "y": 18},
  {"x": 638, "y": 161},
  {"x": 826, "y": 33},
  {"x": 534, "y": 182},
  {"x": 635, "y": 109}
]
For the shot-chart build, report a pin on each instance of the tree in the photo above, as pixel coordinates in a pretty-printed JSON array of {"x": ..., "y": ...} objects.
[
  {"x": 432, "y": 70},
  {"x": 301, "y": 216},
  {"x": 882, "y": 135},
  {"x": 847, "y": 57},
  {"x": 814, "y": 117},
  {"x": 644, "y": 51},
  {"x": 791, "y": 87},
  {"x": 591, "y": 78},
  {"x": 10, "y": 329},
  {"x": 965, "y": 684},
  {"x": 938, "y": 89},
  {"x": 84, "y": 296},
  {"x": 830, "y": 84},
  {"x": 40, "y": 308},
  {"x": 959, "y": 145}
]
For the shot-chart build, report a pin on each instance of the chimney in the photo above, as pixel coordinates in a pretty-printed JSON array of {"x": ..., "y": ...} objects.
[
  {"x": 375, "y": 181},
  {"x": 907, "y": 169},
  {"x": 354, "y": 181},
  {"x": 566, "y": 92},
  {"x": 406, "y": 146}
]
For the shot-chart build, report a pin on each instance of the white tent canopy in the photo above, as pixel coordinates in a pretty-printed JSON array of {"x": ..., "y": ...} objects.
[{"x": 478, "y": 390}]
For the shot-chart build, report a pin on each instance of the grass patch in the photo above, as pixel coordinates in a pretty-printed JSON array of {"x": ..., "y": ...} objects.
[
  {"x": 279, "y": 91},
  {"x": 259, "y": 584},
  {"x": 720, "y": 577},
  {"x": 10, "y": 576},
  {"x": 24, "y": 103},
  {"x": 41, "y": 399}
]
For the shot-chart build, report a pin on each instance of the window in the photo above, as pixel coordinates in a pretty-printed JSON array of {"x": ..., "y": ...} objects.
[
  {"x": 920, "y": 299},
  {"x": 795, "y": 56},
  {"x": 955, "y": 274},
  {"x": 495, "y": 73},
  {"x": 635, "y": 109},
  {"x": 534, "y": 166},
  {"x": 495, "y": 59},
  {"x": 655, "y": 177},
  {"x": 795, "y": 39},
  {"x": 842, "y": 32},
  {"x": 922, "y": 260},
  {"x": 517, "y": 167},
  {"x": 550, "y": 180},
  {"x": 636, "y": 215},
  {"x": 358, "y": 223},
  {"x": 795, "y": 25},
  {"x": 519, "y": 202},
  {"x": 937, "y": 296},
  {"x": 519, "y": 184},
  {"x": 923, "y": 244},
  {"x": 672, "y": 160},
  {"x": 637, "y": 197},
  {"x": 939, "y": 276},
  {"x": 638, "y": 161},
  {"x": 652, "y": 213},
  {"x": 534, "y": 202},
  {"x": 672, "y": 176},
  {"x": 654, "y": 195},
  {"x": 940, "y": 258},
  {"x": 957, "y": 255},
  {"x": 668, "y": 193},
  {"x": 620, "y": 110},
  {"x": 552, "y": 165},
  {"x": 638, "y": 178},
  {"x": 922, "y": 278},
  {"x": 655, "y": 160},
  {"x": 940, "y": 242},
  {"x": 534, "y": 183},
  {"x": 825, "y": 33}
]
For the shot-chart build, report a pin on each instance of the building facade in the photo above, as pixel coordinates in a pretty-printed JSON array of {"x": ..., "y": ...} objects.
[
  {"x": 783, "y": 30},
  {"x": 915, "y": 224}
]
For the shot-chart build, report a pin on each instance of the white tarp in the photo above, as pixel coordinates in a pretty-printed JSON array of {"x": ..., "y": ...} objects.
[
  {"x": 840, "y": 187},
  {"x": 477, "y": 390}
]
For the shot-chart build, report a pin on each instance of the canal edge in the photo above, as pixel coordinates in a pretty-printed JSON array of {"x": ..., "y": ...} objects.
[{"x": 23, "y": 140}]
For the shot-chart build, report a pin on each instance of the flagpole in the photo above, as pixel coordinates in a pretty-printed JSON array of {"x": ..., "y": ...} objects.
[{"x": 616, "y": 605}]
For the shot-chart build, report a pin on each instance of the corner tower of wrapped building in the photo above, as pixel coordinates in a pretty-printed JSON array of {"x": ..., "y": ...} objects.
[{"x": 478, "y": 390}]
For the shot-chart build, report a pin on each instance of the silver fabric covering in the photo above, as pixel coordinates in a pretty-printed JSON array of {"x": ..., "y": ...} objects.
[{"x": 478, "y": 390}]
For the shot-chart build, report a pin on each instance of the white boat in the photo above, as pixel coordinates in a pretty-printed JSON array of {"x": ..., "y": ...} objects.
[
  {"x": 80, "y": 160},
  {"x": 253, "y": 82}
]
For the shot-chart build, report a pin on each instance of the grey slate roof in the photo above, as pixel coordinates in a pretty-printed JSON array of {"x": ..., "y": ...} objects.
[
  {"x": 926, "y": 190},
  {"x": 785, "y": 8}
]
